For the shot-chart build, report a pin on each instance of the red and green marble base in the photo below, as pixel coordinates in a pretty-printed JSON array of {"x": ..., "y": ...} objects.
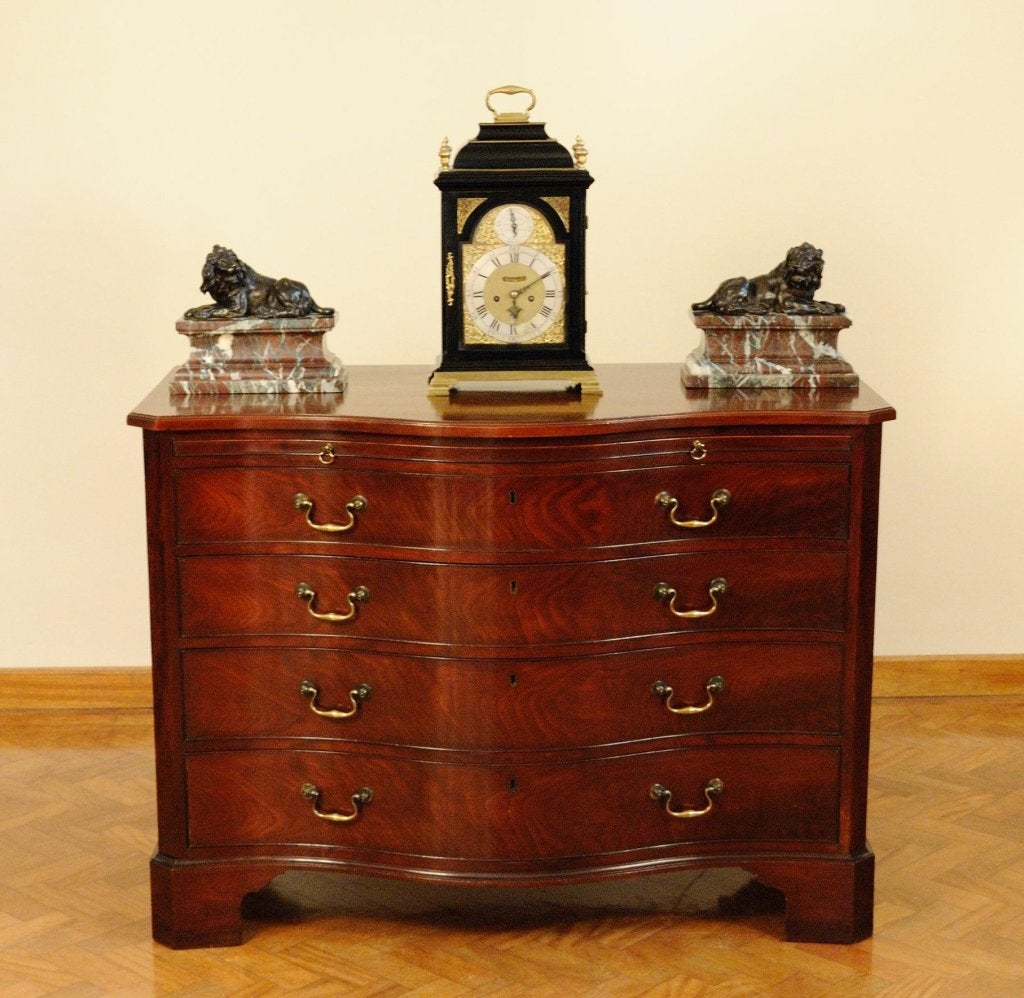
[
  {"x": 257, "y": 357},
  {"x": 768, "y": 351}
]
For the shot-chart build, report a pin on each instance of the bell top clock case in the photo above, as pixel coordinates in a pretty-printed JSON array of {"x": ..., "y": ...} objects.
[{"x": 513, "y": 224}]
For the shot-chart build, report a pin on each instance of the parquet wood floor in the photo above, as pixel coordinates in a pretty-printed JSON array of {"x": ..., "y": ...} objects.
[{"x": 946, "y": 822}]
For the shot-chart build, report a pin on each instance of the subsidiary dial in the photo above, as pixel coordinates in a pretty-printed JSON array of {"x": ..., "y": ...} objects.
[
  {"x": 514, "y": 224},
  {"x": 514, "y": 293}
]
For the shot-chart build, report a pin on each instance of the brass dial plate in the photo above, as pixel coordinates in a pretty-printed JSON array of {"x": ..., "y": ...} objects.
[{"x": 513, "y": 280}]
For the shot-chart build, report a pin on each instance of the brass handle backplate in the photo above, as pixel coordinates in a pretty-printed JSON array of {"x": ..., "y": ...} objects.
[
  {"x": 358, "y": 595},
  {"x": 664, "y": 592},
  {"x": 358, "y": 695},
  {"x": 714, "y": 685},
  {"x": 719, "y": 498},
  {"x": 663, "y": 795},
  {"x": 355, "y": 505},
  {"x": 360, "y": 798}
]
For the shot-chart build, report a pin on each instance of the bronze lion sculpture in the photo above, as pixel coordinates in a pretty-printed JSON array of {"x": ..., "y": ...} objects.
[
  {"x": 789, "y": 289},
  {"x": 239, "y": 292}
]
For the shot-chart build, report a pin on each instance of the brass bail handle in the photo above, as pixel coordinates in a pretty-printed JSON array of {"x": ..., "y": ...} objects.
[
  {"x": 357, "y": 695},
  {"x": 360, "y": 594},
  {"x": 665, "y": 593},
  {"x": 719, "y": 498},
  {"x": 715, "y": 684},
  {"x": 508, "y": 117},
  {"x": 712, "y": 789},
  {"x": 362, "y": 797},
  {"x": 357, "y": 504}
]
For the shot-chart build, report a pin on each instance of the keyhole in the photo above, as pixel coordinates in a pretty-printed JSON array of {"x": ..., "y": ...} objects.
[
  {"x": 513, "y": 587},
  {"x": 512, "y": 497},
  {"x": 512, "y": 785},
  {"x": 512, "y": 679}
]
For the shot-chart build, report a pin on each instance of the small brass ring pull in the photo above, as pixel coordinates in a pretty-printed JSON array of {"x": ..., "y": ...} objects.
[
  {"x": 664, "y": 796},
  {"x": 719, "y": 498},
  {"x": 359, "y": 695},
  {"x": 326, "y": 455},
  {"x": 699, "y": 450},
  {"x": 360, "y": 798},
  {"x": 355, "y": 505},
  {"x": 716, "y": 684},
  {"x": 358, "y": 595},
  {"x": 663, "y": 591}
]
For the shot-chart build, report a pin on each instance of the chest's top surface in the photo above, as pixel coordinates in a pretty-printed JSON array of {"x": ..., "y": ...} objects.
[{"x": 393, "y": 399}]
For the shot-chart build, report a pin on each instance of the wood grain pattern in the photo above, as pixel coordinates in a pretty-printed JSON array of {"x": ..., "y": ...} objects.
[
  {"x": 436, "y": 604},
  {"x": 253, "y": 693},
  {"x": 511, "y": 512},
  {"x": 470, "y": 819},
  {"x": 523, "y": 530}
]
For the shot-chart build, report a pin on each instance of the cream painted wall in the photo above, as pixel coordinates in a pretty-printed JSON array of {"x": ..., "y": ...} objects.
[{"x": 136, "y": 134}]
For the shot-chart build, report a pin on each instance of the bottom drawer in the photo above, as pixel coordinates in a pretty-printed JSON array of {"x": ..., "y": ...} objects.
[{"x": 538, "y": 811}]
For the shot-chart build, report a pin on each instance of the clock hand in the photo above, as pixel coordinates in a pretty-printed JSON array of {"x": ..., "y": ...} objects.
[{"x": 515, "y": 294}]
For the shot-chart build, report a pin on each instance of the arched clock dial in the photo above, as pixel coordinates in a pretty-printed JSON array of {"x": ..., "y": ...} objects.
[{"x": 514, "y": 294}]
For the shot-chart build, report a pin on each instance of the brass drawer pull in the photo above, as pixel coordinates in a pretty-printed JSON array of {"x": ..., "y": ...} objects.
[
  {"x": 663, "y": 591},
  {"x": 719, "y": 498},
  {"x": 699, "y": 450},
  {"x": 664, "y": 796},
  {"x": 714, "y": 685},
  {"x": 358, "y": 595},
  {"x": 358, "y": 695},
  {"x": 360, "y": 798},
  {"x": 326, "y": 455},
  {"x": 355, "y": 505}
]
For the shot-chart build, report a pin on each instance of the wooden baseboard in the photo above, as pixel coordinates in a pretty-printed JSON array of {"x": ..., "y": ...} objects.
[
  {"x": 949, "y": 676},
  {"x": 129, "y": 688},
  {"x": 75, "y": 689}
]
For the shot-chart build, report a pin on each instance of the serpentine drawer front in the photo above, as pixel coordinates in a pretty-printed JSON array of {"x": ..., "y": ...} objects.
[
  {"x": 494, "y": 812},
  {"x": 800, "y": 493},
  {"x": 512, "y": 639},
  {"x": 515, "y": 704}
]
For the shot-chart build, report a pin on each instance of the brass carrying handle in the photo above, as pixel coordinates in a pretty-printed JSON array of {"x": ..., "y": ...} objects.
[
  {"x": 719, "y": 498},
  {"x": 360, "y": 798},
  {"x": 358, "y": 595},
  {"x": 664, "y": 592},
  {"x": 716, "y": 684},
  {"x": 664, "y": 796},
  {"x": 510, "y": 116},
  {"x": 355, "y": 505},
  {"x": 358, "y": 695}
]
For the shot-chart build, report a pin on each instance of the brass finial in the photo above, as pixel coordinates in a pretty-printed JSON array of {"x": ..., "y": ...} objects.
[
  {"x": 445, "y": 153},
  {"x": 580, "y": 152}
]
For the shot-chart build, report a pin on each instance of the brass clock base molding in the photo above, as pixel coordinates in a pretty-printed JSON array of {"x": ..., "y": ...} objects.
[{"x": 576, "y": 382}]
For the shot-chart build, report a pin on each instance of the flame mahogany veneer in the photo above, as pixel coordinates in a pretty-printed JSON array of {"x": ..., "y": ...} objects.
[{"x": 514, "y": 674}]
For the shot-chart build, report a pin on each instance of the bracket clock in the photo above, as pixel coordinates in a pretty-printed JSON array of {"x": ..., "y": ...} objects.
[{"x": 513, "y": 229}]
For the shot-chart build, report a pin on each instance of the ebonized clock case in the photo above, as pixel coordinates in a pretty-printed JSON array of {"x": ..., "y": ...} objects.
[{"x": 509, "y": 164}]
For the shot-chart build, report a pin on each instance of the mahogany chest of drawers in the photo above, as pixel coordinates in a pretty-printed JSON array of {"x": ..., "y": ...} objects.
[{"x": 512, "y": 639}]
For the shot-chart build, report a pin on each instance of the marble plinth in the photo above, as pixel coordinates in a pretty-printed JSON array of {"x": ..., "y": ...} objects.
[
  {"x": 257, "y": 356},
  {"x": 769, "y": 351}
]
